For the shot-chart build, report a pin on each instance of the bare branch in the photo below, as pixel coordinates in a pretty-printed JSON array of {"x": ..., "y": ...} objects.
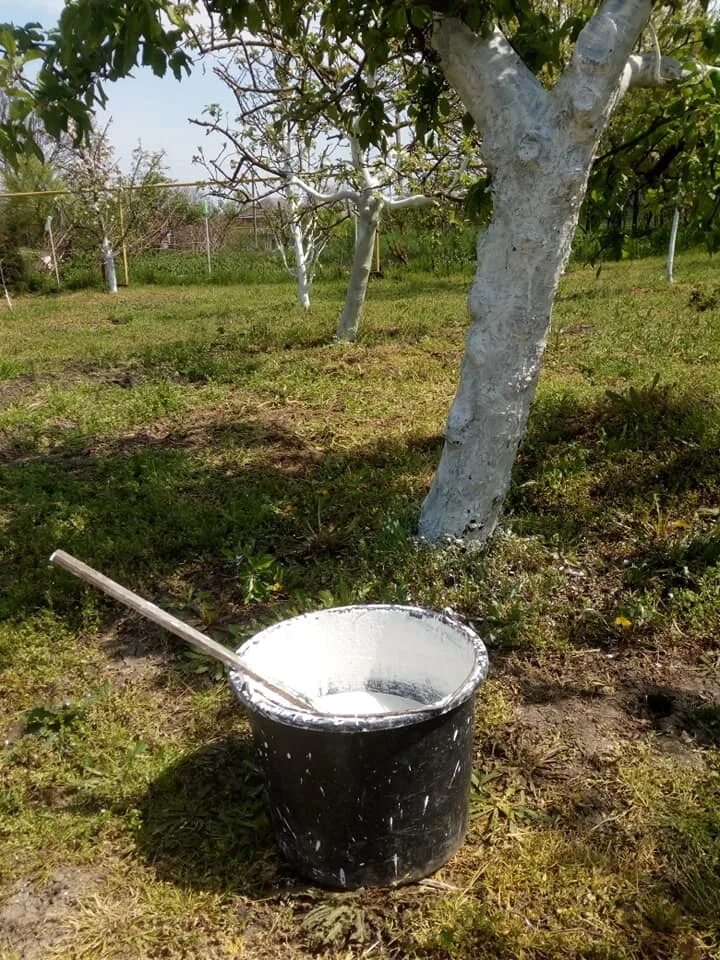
[
  {"x": 418, "y": 200},
  {"x": 335, "y": 197}
]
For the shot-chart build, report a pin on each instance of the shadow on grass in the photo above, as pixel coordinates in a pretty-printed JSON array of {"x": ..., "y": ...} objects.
[
  {"x": 193, "y": 500},
  {"x": 203, "y": 822},
  {"x": 151, "y": 505},
  {"x": 647, "y": 418},
  {"x": 646, "y": 442},
  {"x": 401, "y": 288}
]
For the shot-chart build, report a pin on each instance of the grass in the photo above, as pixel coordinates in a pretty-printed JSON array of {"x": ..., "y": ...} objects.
[{"x": 212, "y": 448}]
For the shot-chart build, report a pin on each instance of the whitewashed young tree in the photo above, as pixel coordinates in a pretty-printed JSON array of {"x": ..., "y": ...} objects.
[
  {"x": 91, "y": 173},
  {"x": 97, "y": 186},
  {"x": 377, "y": 188},
  {"x": 300, "y": 237},
  {"x": 369, "y": 196},
  {"x": 269, "y": 148},
  {"x": 273, "y": 82},
  {"x": 539, "y": 120}
]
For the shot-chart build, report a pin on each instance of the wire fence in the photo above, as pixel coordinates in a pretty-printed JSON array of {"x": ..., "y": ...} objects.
[
  {"x": 183, "y": 234},
  {"x": 56, "y": 237}
]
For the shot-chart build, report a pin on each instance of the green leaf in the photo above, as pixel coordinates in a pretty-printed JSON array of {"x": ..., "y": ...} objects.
[
  {"x": 420, "y": 16},
  {"x": 155, "y": 59},
  {"x": 397, "y": 20},
  {"x": 254, "y": 18},
  {"x": 8, "y": 43}
]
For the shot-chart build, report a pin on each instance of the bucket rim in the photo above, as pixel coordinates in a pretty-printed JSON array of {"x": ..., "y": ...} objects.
[{"x": 253, "y": 697}]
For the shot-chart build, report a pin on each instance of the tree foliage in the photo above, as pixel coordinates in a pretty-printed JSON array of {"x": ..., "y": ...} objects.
[
  {"x": 662, "y": 147},
  {"x": 19, "y": 47},
  {"x": 97, "y": 41}
]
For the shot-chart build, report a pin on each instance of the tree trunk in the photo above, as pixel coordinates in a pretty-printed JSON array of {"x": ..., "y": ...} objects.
[
  {"x": 366, "y": 224},
  {"x": 520, "y": 260},
  {"x": 109, "y": 267},
  {"x": 538, "y": 147},
  {"x": 635, "y": 212},
  {"x": 301, "y": 270},
  {"x": 671, "y": 245},
  {"x": 301, "y": 260}
]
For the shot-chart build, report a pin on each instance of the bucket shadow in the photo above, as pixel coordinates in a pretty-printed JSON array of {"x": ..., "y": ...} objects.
[{"x": 203, "y": 822}]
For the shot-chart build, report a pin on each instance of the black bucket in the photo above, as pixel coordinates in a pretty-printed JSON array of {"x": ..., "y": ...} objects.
[{"x": 373, "y": 789}]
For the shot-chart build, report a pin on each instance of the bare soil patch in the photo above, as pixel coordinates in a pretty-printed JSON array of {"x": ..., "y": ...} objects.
[
  {"x": 135, "y": 651},
  {"x": 593, "y": 702},
  {"x": 33, "y": 920}
]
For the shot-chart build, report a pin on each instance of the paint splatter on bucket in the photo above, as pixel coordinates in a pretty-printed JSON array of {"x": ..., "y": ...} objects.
[{"x": 371, "y": 790}]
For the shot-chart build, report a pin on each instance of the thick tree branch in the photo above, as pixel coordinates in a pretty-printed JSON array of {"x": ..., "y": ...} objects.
[
  {"x": 487, "y": 73},
  {"x": 644, "y": 70},
  {"x": 417, "y": 200},
  {"x": 358, "y": 159},
  {"x": 335, "y": 197},
  {"x": 599, "y": 62}
]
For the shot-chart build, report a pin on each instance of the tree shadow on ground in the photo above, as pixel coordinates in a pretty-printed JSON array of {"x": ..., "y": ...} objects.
[
  {"x": 145, "y": 506},
  {"x": 401, "y": 289},
  {"x": 620, "y": 455},
  {"x": 196, "y": 498},
  {"x": 148, "y": 504},
  {"x": 203, "y": 823},
  {"x": 676, "y": 564},
  {"x": 666, "y": 432}
]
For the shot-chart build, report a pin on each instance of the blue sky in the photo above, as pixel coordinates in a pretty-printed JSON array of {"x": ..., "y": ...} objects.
[{"x": 154, "y": 111}]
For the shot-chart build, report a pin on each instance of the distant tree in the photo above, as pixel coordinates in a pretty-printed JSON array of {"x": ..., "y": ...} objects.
[
  {"x": 97, "y": 188},
  {"x": 268, "y": 149},
  {"x": 24, "y": 217},
  {"x": 273, "y": 80},
  {"x": 661, "y": 149},
  {"x": 20, "y": 128}
]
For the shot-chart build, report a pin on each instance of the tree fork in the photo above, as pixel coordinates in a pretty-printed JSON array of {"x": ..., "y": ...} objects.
[{"x": 538, "y": 145}]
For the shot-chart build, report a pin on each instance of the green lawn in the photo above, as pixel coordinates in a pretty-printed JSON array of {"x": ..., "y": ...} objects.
[{"x": 213, "y": 449}]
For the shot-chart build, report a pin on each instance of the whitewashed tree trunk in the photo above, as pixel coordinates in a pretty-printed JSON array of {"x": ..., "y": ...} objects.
[
  {"x": 366, "y": 223},
  {"x": 108, "y": 257},
  {"x": 6, "y": 292},
  {"x": 519, "y": 266},
  {"x": 672, "y": 244},
  {"x": 301, "y": 260},
  {"x": 301, "y": 272},
  {"x": 369, "y": 202},
  {"x": 538, "y": 146}
]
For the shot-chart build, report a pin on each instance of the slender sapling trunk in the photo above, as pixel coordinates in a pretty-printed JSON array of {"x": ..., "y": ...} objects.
[
  {"x": 672, "y": 244},
  {"x": 108, "y": 259},
  {"x": 301, "y": 271},
  {"x": 366, "y": 224}
]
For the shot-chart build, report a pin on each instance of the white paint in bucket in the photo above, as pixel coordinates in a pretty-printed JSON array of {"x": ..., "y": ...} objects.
[
  {"x": 364, "y": 667},
  {"x": 364, "y": 702}
]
